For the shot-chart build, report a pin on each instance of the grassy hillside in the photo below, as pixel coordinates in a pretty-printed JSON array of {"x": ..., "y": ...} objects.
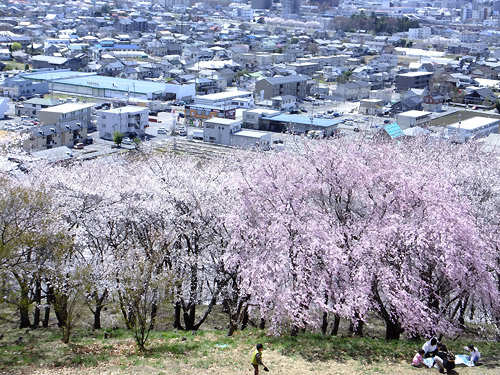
[{"x": 211, "y": 352}]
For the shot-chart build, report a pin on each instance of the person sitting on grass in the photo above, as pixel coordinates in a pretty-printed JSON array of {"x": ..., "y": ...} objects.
[
  {"x": 430, "y": 348},
  {"x": 257, "y": 359},
  {"x": 474, "y": 353},
  {"x": 418, "y": 359}
]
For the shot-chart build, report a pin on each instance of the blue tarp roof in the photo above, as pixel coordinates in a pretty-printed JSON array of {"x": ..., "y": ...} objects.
[{"x": 393, "y": 130}]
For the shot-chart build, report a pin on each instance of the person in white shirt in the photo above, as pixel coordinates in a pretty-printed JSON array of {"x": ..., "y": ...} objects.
[
  {"x": 474, "y": 353},
  {"x": 430, "y": 348}
]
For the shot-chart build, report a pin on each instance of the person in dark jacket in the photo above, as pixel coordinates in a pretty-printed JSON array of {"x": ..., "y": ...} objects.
[{"x": 444, "y": 359}]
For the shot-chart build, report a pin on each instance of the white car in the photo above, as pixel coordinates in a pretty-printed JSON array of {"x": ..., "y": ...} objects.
[
  {"x": 127, "y": 141},
  {"x": 162, "y": 130}
]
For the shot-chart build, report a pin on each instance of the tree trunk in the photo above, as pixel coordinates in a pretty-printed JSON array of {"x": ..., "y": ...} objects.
[
  {"x": 128, "y": 316},
  {"x": 99, "y": 304},
  {"x": 393, "y": 330},
  {"x": 97, "y": 318},
  {"x": 24, "y": 305},
  {"x": 324, "y": 324},
  {"x": 188, "y": 315},
  {"x": 38, "y": 302},
  {"x": 356, "y": 326},
  {"x": 336, "y": 324},
  {"x": 246, "y": 318},
  {"x": 205, "y": 315},
  {"x": 61, "y": 309},
  {"x": 233, "y": 326},
  {"x": 262, "y": 323},
  {"x": 66, "y": 333},
  {"x": 154, "y": 312},
  {"x": 177, "y": 316}
]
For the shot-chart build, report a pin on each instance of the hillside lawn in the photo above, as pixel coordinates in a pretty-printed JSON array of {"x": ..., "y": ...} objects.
[{"x": 212, "y": 352}]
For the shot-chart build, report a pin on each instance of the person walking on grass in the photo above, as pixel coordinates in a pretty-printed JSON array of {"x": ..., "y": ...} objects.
[{"x": 257, "y": 359}]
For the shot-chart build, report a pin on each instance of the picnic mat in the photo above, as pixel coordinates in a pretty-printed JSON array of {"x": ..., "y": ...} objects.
[{"x": 460, "y": 359}]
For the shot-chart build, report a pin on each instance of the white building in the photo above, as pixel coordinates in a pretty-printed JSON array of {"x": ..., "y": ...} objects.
[
  {"x": 4, "y": 54},
  {"x": 419, "y": 33},
  {"x": 228, "y": 132},
  {"x": 410, "y": 119},
  {"x": 222, "y": 99},
  {"x": 244, "y": 12},
  {"x": 67, "y": 114},
  {"x": 129, "y": 120},
  {"x": 475, "y": 127},
  {"x": 4, "y": 106}
]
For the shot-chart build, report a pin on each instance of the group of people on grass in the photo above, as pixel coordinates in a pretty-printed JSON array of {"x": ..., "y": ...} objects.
[{"x": 443, "y": 358}]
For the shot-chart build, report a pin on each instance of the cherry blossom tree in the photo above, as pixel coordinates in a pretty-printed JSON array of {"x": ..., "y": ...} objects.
[
  {"x": 197, "y": 195},
  {"x": 354, "y": 228}
]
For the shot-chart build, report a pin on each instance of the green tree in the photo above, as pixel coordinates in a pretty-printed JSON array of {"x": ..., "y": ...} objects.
[
  {"x": 497, "y": 105},
  {"x": 118, "y": 137},
  {"x": 344, "y": 77},
  {"x": 15, "y": 46}
]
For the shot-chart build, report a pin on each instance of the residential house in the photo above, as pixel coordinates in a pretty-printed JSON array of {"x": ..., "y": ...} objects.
[
  {"x": 483, "y": 71},
  {"x": 372, "y": 107},
  {"x": 407, "y": 104},
  {"x": 352, "y": 90},
  {"x": 433, "y": 102},
  {"x": 44, "y": 61},
  {"x": 32, "y": 106},
  {"x": 284, "y": 102},
  {"x": 479, "y": 96}
]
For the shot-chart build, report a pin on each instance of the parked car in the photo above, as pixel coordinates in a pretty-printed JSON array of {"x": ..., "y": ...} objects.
[
  {"x": 89, "y": 141},
  {"x": 127, "y": 141},
  {"x": 162, "y": 130},
  {"x": 78, "y": 146}
]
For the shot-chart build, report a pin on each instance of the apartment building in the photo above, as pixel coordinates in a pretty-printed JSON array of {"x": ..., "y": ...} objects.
[
  {"x": 295, "y": 85},
  {"x": 67, "y": 114},
  {"x": 413, "y": 80},
  {"x": 129, "y": 120}
]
